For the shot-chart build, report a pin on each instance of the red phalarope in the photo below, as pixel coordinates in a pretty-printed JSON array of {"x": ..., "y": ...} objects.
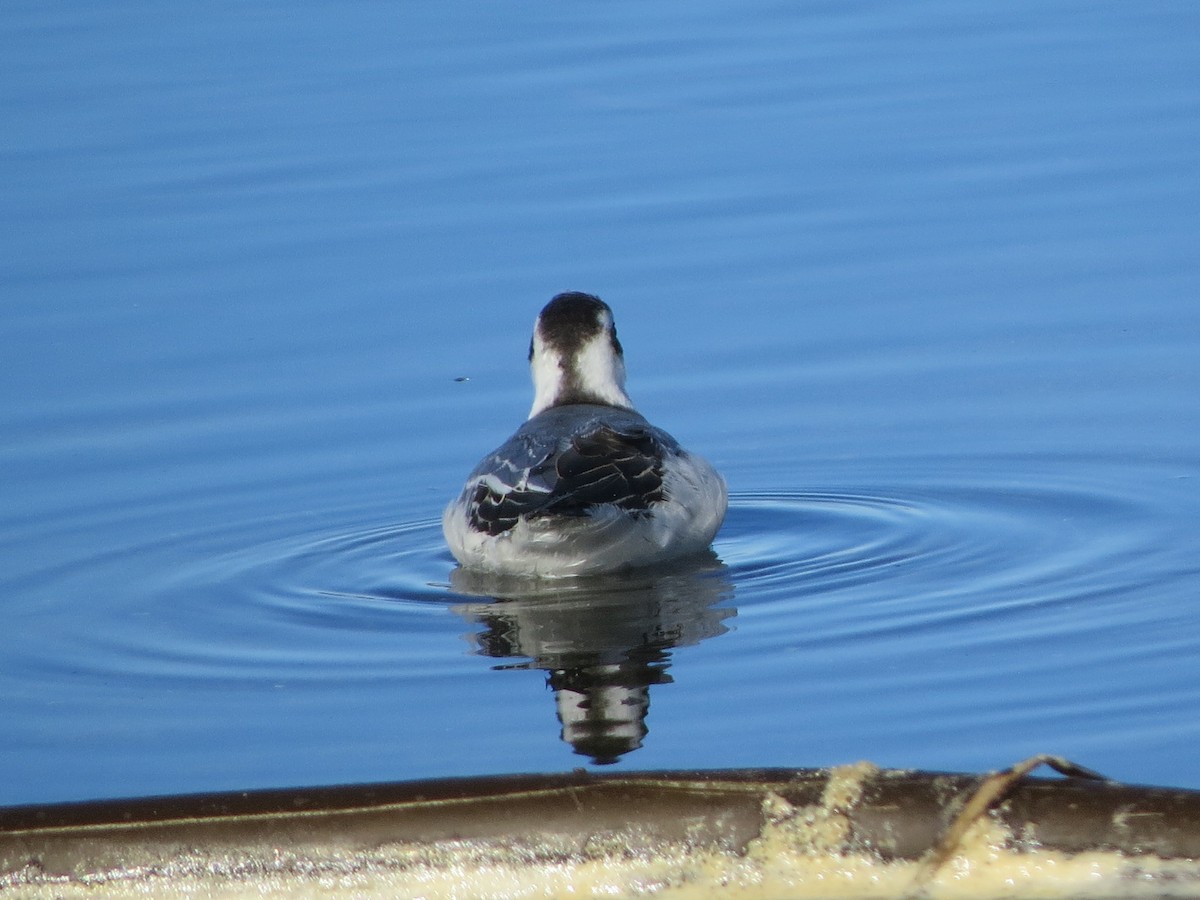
[{"x": 586, "y": 485}]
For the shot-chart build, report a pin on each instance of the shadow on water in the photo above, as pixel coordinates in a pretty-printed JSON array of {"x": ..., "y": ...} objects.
[{"x": 603, "y": 641}]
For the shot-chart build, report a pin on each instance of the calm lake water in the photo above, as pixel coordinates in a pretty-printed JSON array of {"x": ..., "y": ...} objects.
[{"x": 921, "y": 280}]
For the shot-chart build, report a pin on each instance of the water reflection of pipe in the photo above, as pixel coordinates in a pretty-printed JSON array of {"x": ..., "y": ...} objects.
[{"x": 603, "y": 641}]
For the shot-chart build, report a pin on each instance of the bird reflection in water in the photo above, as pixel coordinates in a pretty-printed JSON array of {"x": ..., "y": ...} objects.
[{"x": 604, "y": 640}]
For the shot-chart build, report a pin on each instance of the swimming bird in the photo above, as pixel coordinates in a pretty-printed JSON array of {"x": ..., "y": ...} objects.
[{"x": 586, "y": 485}]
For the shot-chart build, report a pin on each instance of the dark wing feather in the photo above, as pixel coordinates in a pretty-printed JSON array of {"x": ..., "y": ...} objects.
[
  {"x": 603, "y": 465},
  {"x": 623, "y": 468}
]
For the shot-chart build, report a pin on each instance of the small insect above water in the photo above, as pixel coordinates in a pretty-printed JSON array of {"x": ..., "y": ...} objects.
[{"x": 586, "y": 485}]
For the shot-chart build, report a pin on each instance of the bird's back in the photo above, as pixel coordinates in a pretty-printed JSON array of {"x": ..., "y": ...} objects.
[{"x": 566, "y": 461}]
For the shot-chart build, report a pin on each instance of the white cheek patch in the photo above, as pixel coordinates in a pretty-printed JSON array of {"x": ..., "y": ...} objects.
[{"x": 548, "y": 376}]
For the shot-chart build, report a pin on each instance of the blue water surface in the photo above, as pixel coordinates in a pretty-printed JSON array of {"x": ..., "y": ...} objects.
[{"x": 921, "y": 280}]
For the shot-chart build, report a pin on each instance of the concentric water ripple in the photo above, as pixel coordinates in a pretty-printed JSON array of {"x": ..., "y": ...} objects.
[
  {"x": 363, "y": 600},
  {"x": 985, "y": 547},
  {"x": 870, "y": 612},
  {"x": 1035, "y": 556}
]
